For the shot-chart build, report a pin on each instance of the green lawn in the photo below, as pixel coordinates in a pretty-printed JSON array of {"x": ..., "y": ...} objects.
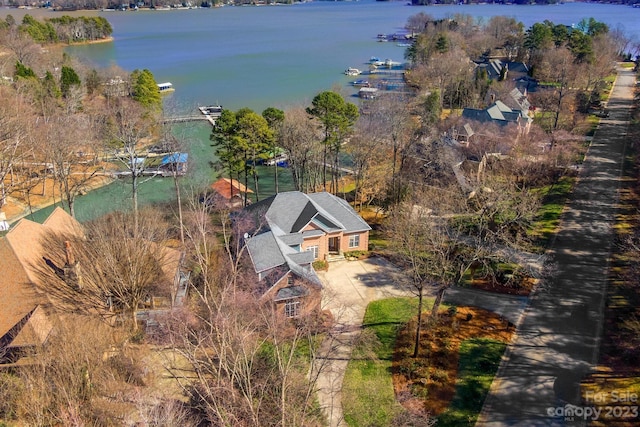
[
  {"x": 554, "y": 199},
  {"x": 368, "y": 398},
  {"x": 479, "y": 361}
]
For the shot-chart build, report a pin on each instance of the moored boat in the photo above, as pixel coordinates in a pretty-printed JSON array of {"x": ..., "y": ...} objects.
[
  {"x": 361, "y": 83},
  {"x": 211, "y": 110},
  {"x": 352, "y": 72},
  {"x": 165, "y": 87}
]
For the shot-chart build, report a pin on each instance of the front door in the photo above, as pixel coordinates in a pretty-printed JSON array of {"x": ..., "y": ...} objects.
[{"x": 334, "y": 244}]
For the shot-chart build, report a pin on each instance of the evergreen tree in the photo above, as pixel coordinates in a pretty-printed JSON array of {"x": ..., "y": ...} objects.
[
  {"x": 337, "y": 117},
  {"x": 255, "y": 138},
  {"x": 22, "y": 71},
  {"x": 274, "y": 118},
  {"x": 227, "y": 147},
  {"x": 50, "y": 86},
  {"x": 68, "y": 78},
  {"x": 144, "y": 89},
  {"x": 442, "y": 43}
]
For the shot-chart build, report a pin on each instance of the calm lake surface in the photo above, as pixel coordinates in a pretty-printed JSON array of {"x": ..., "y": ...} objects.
[
  {"x": 278, "y": 56},
  {"x": 265, "y": 56}
]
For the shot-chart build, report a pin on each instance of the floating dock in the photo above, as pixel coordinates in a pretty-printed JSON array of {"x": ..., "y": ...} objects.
[{"x": 211, "y": 113}]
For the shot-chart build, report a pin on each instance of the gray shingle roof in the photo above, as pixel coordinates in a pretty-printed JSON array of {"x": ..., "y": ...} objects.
[
  {"x": 498, "y": 112},
  {"x": 292, "y": 239},
  {"x": 264, "y": 252},
  {"x": 340, "y": 210},
  {"x": 304, "y": 257},
  {"x": 290, "y": 292},
  {"x": 286, "y": 214}
]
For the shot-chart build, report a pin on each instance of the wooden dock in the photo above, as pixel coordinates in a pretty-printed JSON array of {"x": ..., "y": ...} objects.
[
  {"x": 183, "y": 119},
  {"x": 208, "y": 113}
]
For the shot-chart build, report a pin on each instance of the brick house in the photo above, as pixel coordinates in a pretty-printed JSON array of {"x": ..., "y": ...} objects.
[{"x": 291, "y": 230}]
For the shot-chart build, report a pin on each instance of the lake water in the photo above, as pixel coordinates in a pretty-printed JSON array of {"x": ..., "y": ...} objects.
[
  {"x": 278, "y": 56},
  {"x": 265, "y": 56}
]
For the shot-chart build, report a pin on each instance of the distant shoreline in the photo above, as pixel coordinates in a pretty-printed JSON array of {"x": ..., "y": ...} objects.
[
  {"x": 40, "y": 12},
  {"x": 19, "y": 13}
]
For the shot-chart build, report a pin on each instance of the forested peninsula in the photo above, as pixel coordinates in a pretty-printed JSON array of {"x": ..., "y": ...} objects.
[{"x": 62, "y": 29}]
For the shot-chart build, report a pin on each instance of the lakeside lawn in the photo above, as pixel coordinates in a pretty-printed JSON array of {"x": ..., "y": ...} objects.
[{"x": 449, "y": 379}]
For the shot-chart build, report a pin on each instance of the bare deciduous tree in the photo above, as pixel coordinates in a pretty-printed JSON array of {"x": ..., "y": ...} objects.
[
  {"x": 69, "y": 146},
  {"x": 429, "y": 247},
  {"x": 112, "y": 267},
  {"x": 14, "y": 113},
  {"x": 299, "y": 136},
  {"x": 126, "y": 128}
]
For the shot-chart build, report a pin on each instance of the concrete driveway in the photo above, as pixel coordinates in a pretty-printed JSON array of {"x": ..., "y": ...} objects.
[{"x": 349, "y": 287}]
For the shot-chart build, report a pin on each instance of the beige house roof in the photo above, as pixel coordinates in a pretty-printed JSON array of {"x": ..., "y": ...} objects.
[{"x": 23, "y": 321}]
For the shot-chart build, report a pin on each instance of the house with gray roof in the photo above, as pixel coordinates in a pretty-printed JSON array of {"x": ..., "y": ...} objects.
[
  {"x": 501, "y": 114},
  {"x": 291, "y": 231}
]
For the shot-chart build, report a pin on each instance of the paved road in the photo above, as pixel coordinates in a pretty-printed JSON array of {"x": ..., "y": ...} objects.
[{"x": 558, "y": 338}]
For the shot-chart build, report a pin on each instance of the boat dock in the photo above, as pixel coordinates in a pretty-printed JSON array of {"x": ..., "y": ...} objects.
[{"x": 209, "y": 113}]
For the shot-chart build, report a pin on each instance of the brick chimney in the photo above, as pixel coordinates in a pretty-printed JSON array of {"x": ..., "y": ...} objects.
[{"x": 71, "y": 268}]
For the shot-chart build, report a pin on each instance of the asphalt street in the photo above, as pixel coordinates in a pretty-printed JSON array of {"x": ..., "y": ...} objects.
[{"x": 559, "y": 335}]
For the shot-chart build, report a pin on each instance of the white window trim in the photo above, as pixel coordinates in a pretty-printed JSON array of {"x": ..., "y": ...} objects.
[
  {"x": 292, "y": 307},
  {"x": 315, "y": 249}
]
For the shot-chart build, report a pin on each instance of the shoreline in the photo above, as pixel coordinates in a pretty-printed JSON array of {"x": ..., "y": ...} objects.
[
  {"x": 16, "y": 209},
  {"x": 43, "y": 12}
]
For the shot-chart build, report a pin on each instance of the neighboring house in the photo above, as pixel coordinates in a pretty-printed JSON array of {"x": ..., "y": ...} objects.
[
  {"x": 464, "y": 134},
  {"x": 27, "y": 313},
  {"x": 515, "y": 71},
  {"x": 26, "y": 319},
  {"x": 501, "y": 114},
  {"x": 291, "y": 230},
  {"x": 231, "y": 191},
  {"x": 518, "y": 100},
  {"x": 509, "y": 70}
]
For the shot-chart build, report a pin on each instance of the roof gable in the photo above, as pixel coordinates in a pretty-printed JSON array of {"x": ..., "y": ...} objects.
[
  {"x": 20, "y": 253},
  {"x": 305, "y": 216},
  {"x": 229, "y": 188}
]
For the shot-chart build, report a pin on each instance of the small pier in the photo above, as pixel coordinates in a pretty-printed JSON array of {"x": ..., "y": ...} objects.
[
  {"x": 183, "y": 119},
  {"x": 208, "y": 113}
]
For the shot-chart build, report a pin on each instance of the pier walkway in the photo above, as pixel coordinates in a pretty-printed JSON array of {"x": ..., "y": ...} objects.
[{"x": 209, "y": 113}]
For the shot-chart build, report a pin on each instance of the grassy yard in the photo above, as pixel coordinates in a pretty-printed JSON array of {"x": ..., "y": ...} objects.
[
  {"x": 367, "y": 393},
  {"x": 554, "y": 198},
  {"x": 450, "y": 378},
  {"x": 478, "y": 364}
]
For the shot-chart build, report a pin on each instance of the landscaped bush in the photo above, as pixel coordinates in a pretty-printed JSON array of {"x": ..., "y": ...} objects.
[
  {"x": 356, "y": 254},
  {"x": 320, "y": 265}
]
